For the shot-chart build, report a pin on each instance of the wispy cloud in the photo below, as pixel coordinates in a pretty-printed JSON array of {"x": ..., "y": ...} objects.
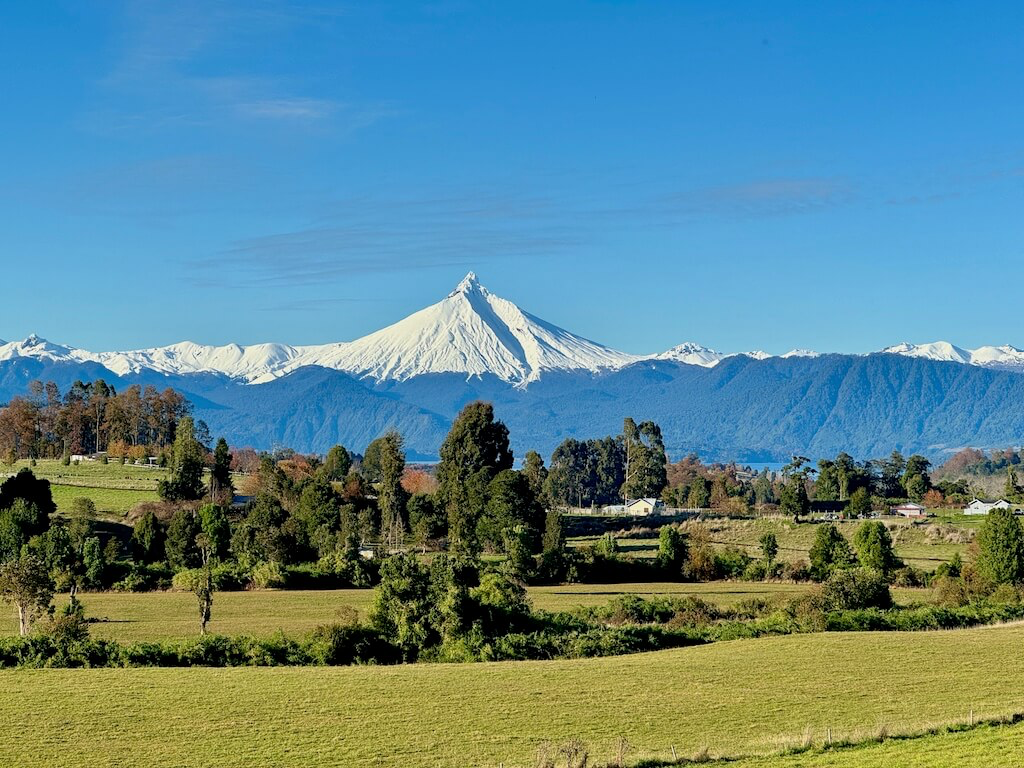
[
  {"x": 359, "y": 236},
  {"x": 186, "y": 64},
  {"x": 764, "y": 197},
  {"x": 309, "y": 305},
  {"x": 467, "y": 228}
]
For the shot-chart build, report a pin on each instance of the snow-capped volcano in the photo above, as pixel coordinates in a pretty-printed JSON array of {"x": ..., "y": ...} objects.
[{"x": 470, "y": 332}]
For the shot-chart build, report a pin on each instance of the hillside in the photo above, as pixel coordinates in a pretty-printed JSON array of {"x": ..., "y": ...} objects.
[
  {"x": 732, "y": 698},
  {"x": 742, "y": 408}
]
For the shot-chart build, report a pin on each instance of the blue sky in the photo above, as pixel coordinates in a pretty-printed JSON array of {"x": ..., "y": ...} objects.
[{"x": 839, "y": 176}]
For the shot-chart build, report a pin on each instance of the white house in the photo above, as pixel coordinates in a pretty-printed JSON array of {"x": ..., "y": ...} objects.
[
  {"x": 910, "y": 509},
  {"x": 982, "y": 507},
  {"x": 643, "y": 506}
]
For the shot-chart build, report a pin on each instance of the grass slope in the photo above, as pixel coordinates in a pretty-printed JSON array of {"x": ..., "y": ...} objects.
[
  {"x": 924, "y": 545},
  {"x": 741, "y": 697},
  {"x": 157, "y": 615},
  {"x": 985, "y": 747}
]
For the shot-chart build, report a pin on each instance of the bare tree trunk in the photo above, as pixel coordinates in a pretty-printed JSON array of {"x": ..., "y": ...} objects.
[{"x": 23, "y": 619}]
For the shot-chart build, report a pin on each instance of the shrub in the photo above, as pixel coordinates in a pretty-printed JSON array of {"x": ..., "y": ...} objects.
[
  {"x": 909, "y": 576},
  {"x": 951, "y": 591},
  {"x": 855, "y": 588},
  {"x": 798, "y": 571},
  {"x": 731, "y": 562},
  {"x": 142, "y": 578},
  {"x": 267, "y": 575}
]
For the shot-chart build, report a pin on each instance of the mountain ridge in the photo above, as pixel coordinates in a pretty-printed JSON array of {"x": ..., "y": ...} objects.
[{"x": 471, "y": 331}]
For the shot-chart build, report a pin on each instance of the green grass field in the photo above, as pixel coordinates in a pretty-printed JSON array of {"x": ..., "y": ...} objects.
[
  {"x": 986, "y": 747},
  {"x": 924, "y": 545},
  {"x": 744, "y": 697},
  {"x": 97, "y": 474},
  {"x": 113, "y": 488},
  {"x": 158, "y": 615},
  {"x": 110, "y": 502}
]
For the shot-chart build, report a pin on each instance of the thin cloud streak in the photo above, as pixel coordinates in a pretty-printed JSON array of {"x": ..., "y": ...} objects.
[{"x": 370, "y": 235}]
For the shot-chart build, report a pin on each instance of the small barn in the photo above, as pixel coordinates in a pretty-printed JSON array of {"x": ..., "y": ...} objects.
[
  {"x": 646, "y": 506},
  {"x": 910, "y": 509}
]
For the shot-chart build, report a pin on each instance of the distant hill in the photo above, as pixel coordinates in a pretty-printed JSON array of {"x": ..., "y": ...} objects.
[{"x": 742, "y": 408}]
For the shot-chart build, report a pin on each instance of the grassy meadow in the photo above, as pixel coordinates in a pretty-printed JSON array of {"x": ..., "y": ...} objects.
[
  {"x": 921, "y": 544},
  {"x": 746, "y": 697},
  {"x": 113, "y": 487},
  {"x": 129, "y": 616},
  {"x": 984, "y": 747}
]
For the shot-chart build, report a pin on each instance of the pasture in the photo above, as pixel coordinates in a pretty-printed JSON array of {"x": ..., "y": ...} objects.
[
  {"x": 128, "y": 616},
  {"x": 738, "y": 698},
  {"x": 113, "y": 488},
  {"x": 985, "y": 747},
  {"x": 922, "y": 544}
]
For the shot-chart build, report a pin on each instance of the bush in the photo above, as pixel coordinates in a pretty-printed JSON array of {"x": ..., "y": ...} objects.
[
  {"x": 142, "y": 578},
  {"x": 952, "y": 591},
  {"x": 267, "y": 575},
  {"x": 798, "y": 571},
  {"x": 854, "y": 588},
  {"x": 731, "y": 563},
  {"x": 909, "y": 576}
]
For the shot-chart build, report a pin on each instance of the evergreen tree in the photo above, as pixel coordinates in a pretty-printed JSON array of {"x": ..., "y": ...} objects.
[
  {"x": 475, "y": 449},
  {"x": 1011, "y": 489},
  {"x": 829, "y": 552},
  {"x": 180, "y": 544},
  {"x": 391, "y": 496},
  {"x": 536, "y": 475},
  {"x": 1001, "y": 548},
  {"x": 95, "y": 562},
  {"x": 672, "y": 550},
  {"x": 769, "y": 547},
  {"x": 793, "y": 497},
  {"x": 763, "y": 491},
  {"x": 220, "y": 473},
  {"x": 148, "y": 539},
  {"x": 860, "y": 503},
  {"x": 186, "y": 480},
  {"x": 646, "y": 475},
  {"x": 510, "y": 505},
  {"x": 826, "y": 488},
  {"x": 699, "y": 496},
  {"x": 216, "y": 530},
  {"x": 336, "y": 465},
  {"x": 874, "y": 547}
]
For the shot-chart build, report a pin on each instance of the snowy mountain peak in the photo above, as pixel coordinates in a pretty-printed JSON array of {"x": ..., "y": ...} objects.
[
  {"x": 471, "y": 332},
  {"x": 936, "y": 350},
  {"x": 692, "y": 353},
  {"x": 469, "y": 284},
  {"x": 801, "y": 353},
  {"x": 1004, "y": 357}
]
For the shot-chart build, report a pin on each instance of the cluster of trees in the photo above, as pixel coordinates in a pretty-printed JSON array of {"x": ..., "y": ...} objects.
[
  {"x": 40, "y": 554},
  {"x": 971, "y": 461},
  {"x": 863, "y": 486},
  {"x": 90, "y": 417},
  {"x": 609, "y": 470}
]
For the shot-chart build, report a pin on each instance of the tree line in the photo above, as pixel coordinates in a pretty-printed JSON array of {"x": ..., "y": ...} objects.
[{"x": 89, "y": 418}]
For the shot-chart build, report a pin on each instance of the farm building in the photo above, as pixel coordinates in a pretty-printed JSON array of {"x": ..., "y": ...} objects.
[
  {"x": 983, "y": 507},
  {"x": 910, "y": 509},
  {"x": 643, "y": 506}
]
